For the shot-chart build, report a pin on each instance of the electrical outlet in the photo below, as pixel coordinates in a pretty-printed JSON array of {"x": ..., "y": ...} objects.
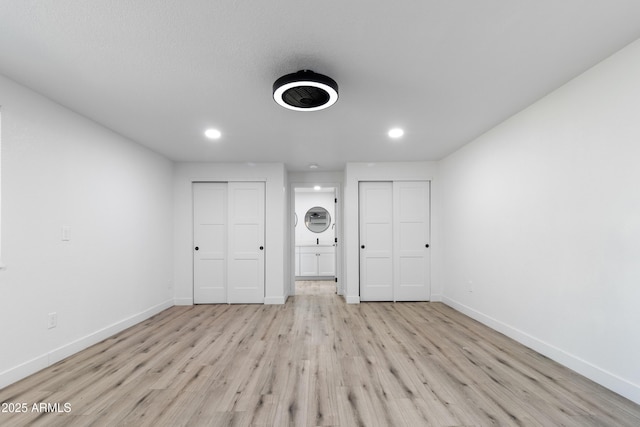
[
  {"x": 66, "y": 233},
  {"x": 52, "y": 320}
]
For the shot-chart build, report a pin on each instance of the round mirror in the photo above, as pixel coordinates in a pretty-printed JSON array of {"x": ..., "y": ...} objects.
[
  {"x": 295, "y": 219},
  {"x": 317, "y": 219}
]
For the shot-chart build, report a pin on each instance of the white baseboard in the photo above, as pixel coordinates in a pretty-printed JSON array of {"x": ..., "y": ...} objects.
[
  {"x": 34, "y": 365},
  {"x": 274, "y": 300},
  {"x": 606, "y": 379},
  {"x": 353, "y": 299},
  {"x": 268, "y": 301},
  {"x": 23, "y": 370}
]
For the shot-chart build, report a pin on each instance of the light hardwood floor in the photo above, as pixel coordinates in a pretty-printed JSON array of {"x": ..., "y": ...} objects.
[
  {"x": 314, "y": 361},
  {"x": 315, "y": 287}
]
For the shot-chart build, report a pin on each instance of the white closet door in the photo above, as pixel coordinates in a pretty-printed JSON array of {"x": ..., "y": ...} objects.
[
  {"x": 411, "y": 239},
  {"x": 210, "y": 243},
  {"x": 376, "y": 241},
  {"x": 246, "y": 242}
]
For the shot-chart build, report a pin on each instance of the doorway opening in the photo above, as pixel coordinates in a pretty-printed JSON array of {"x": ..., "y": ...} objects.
[{"x": 315, "y": 240}]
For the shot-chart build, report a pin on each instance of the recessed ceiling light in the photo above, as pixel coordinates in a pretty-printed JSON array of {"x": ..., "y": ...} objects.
[
  {"x": 313, "y": 166},
  {"x": 317, "y": 188},
  {"x": 395, "y": 133},
  {"x": 305, "y": 91},
  {"x": 212, "y": 133}
]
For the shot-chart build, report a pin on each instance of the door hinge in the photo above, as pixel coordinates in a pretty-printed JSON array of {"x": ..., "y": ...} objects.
[
  {"x": 335, "y": 200},
  {"x": 336, "y": 279}
]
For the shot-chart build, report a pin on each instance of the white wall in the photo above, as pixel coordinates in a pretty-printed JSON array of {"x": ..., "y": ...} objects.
[
  {"x": 306, "y": 200},
  {"x": 541, "y": 221},
  {"x": 392, "y": 171},
  {"x": 59, "y": 168},
  {"x": 277, "y": 246}
]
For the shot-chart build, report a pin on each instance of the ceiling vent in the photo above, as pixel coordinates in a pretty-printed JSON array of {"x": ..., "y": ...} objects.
[{"x": 305, "y": 91}]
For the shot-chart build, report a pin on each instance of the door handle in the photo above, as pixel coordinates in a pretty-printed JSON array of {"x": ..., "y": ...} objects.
[
  {"x": 426, "y": 246},
  {"x": 197, "y": 248},
  {"x": 362, "y": 246},
  {"x": 261, "y": 247}
]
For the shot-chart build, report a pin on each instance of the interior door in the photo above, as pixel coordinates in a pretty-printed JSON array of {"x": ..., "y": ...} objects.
[
  {"x": 210, "y": 242},
  {"x": 376, "y": 241},
  {"x": 246, "y": 206},
  {"x": 411, "y": 240}
]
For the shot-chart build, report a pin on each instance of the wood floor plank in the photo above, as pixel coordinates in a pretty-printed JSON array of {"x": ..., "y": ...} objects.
[{"x": 314, "y": 361}]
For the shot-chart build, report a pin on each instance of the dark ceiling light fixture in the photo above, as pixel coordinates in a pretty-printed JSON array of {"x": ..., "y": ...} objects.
[{"x": 305, "y": 91}]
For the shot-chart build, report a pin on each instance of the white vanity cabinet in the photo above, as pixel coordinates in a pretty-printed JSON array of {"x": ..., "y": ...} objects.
[{"x": 316, "y": 260}]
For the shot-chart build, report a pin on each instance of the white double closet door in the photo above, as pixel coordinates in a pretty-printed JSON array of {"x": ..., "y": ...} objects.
[
  {"x": 394, "y": 241},
  {"x": 228, "y": 237}
]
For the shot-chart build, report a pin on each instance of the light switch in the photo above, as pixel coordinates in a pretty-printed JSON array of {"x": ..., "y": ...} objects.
[{"x": 66, "y": 233}]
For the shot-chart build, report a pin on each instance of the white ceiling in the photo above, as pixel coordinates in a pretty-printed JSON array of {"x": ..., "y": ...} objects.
[{"x": 161, "y": 71}]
